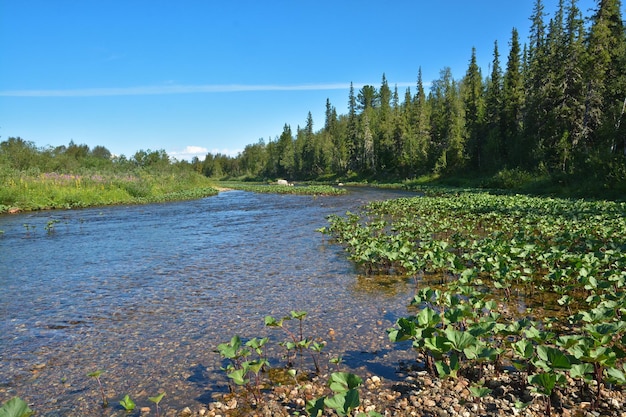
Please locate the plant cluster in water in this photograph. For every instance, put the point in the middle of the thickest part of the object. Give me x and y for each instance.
(315, 190)
(493, 255)
(248, 367)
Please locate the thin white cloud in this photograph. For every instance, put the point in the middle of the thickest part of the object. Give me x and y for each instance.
(191, 151)
(180, 89)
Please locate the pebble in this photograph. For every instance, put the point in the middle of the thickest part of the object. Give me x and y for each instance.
(185, 412)
(429, 403)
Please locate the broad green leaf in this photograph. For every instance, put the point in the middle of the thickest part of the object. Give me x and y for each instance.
(127, 403)
(448, 370)
(95, 374)
(459, 340)
(315, 408)
(479, 391)
(238, 377)
(157, 399)
(343, 402)
(437, 345)
(15, 407)
(544, 382)
(523, 348)
(428, 317)
(272, 322)
(581, 370)
(553, 357)
(616, 376)
(343, 381)
(299, 315)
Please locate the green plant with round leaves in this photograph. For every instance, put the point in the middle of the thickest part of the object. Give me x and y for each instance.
(127, 403)
(15, 407)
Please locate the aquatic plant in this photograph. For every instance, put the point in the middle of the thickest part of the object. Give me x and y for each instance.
(343, 399)
(297, 342)
(563, 255)
(15, 407)
(245, 373)
(96, 375)
(50, 225)
(156, 400)
(127, 403)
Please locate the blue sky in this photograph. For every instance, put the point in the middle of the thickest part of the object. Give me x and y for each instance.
(192, 76)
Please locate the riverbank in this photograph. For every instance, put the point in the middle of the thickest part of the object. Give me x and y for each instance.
(419, 395)
(24, 192)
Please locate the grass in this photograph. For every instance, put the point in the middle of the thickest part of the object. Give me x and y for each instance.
(35, 191)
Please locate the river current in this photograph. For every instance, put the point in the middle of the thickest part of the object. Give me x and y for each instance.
(146, 293)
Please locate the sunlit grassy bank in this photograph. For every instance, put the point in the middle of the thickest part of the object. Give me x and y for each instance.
(284, 189)
(27, 191)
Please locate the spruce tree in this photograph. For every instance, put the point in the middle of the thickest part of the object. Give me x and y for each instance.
(355, 148)
(605, 128)
(536, 81)
(512, 106)
(448, 152)
(474, 105)
(286, 153)
(494, 148)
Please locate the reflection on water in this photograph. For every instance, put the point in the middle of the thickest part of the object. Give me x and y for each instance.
(147, 292)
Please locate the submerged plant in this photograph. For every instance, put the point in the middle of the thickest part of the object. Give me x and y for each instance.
(245, 373)
(96, 376)
(297, 341)
(127, 403)
(15, 407)
(49, 227)
(156, 400)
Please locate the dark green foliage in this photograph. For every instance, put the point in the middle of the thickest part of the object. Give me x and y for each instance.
(557, 109)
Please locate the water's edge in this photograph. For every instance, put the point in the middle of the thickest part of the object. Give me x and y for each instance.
(147, 292)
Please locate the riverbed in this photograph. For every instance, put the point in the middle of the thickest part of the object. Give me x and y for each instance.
(146, 293)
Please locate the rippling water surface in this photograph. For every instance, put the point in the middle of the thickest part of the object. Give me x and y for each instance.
(147, 292)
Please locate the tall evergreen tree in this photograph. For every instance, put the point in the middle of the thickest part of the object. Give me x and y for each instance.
(535, 83)
(447, 124)
(384, 143)
(512, 105)
(308, 167)
(494, 146)
(474, 104)
(420, 123)
(565, 97)
(336, 141)
(605, 130)
(286, 154)
(355, 147)
(368, 98)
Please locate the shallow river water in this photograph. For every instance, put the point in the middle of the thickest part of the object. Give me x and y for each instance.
(146, 293)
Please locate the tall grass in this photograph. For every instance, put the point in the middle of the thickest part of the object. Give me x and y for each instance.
(32, 190)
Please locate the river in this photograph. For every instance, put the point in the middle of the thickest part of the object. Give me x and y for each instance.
(146, 293)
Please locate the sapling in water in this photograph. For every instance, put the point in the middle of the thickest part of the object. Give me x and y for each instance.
(96, 376)
(298, 342)
(157, 399)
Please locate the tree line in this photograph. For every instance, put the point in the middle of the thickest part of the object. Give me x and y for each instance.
(17, 154)
(555, 104)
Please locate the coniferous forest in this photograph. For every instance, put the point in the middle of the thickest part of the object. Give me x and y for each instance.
(553, 106)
